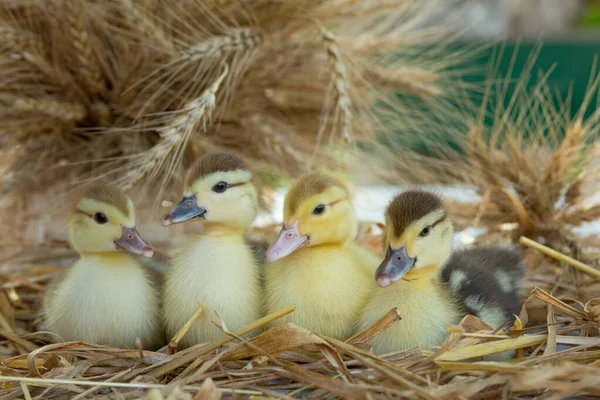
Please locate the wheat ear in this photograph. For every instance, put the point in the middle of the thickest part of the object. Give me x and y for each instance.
(341, 82)
(25, 45)
(234, 40)
(67, 112)
(173, 136)
(146, 26)
(88, 69)
(409, 80)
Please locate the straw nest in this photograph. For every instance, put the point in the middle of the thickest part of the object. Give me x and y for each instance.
(112, 87)
(555, 338)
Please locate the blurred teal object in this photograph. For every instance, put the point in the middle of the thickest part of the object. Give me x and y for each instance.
(572, 63)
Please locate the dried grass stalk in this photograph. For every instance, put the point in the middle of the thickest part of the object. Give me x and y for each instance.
(176, 133)
(124, 83)
(303, 364)
(527, 156)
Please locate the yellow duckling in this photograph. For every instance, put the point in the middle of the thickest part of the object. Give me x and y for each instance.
(106, 297)
(431, 287)
(314, 263)
(215, 269)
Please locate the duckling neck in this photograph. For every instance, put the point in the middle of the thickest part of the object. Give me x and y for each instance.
(422, 274)
(221, 229)
(108, 256)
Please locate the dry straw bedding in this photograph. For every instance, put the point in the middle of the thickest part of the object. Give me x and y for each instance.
(137, 90)
(555, 339)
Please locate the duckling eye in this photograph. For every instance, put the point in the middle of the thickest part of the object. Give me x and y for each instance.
(425, 231)
(220, 187)
(100, 218)
(320, 209)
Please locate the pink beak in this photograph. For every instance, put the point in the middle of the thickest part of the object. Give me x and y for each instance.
(290, 239)
(131, 240)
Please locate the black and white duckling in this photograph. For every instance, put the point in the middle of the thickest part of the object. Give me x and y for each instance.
(432, 287)
(107, 296)
(215, 269)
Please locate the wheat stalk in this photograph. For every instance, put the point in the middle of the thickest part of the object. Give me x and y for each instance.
(23, 44)
(64, 111)
(409, 80)
(340, 81)
(195, 112)
(88, 69)
(237, 39)
(200, 58)
(146, 26)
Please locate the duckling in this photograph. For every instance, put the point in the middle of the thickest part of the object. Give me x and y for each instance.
(215, 269)
(106, 297)
(431, 287)
(314, 263)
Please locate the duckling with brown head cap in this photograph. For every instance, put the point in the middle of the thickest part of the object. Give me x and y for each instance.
(215, 269)
(314, 263)
(106, 297)
(431, 287)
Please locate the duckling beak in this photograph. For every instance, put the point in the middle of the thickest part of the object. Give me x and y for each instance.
(395, 265)
(132, 241)
(186, 209)
(290, 239)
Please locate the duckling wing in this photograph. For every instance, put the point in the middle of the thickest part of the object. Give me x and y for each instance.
(488, 281)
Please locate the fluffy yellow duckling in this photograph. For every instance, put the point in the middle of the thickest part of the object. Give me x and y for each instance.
(106, 297)
(215, 269)
(313, 262)
(431, 287)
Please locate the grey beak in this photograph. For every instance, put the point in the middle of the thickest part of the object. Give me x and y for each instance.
(185, 210)
(395, 265)
(131, 240)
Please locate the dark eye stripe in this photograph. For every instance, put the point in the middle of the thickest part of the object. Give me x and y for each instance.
(438, 221)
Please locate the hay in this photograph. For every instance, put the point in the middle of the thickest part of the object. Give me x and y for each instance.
(132, 92)
(555, 338)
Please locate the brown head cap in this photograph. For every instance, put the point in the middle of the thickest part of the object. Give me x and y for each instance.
(410, 206)
(310, 185)
(211, 163)
(107, 194)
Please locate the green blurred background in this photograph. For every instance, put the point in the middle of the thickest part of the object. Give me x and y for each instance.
(573, 59)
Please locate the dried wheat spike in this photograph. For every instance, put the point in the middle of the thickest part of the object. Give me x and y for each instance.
(173, 136)
(67, 112)
(88, 67)
(406, 80)
(341, 82)
(24, 45)
(146, 26)
(235, 40)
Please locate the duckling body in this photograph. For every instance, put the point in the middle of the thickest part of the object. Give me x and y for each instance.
(215, 270)
(106, 297)
(314, 263)
(219, 274)
(431, 287)
(326, 283)
(427, 308)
